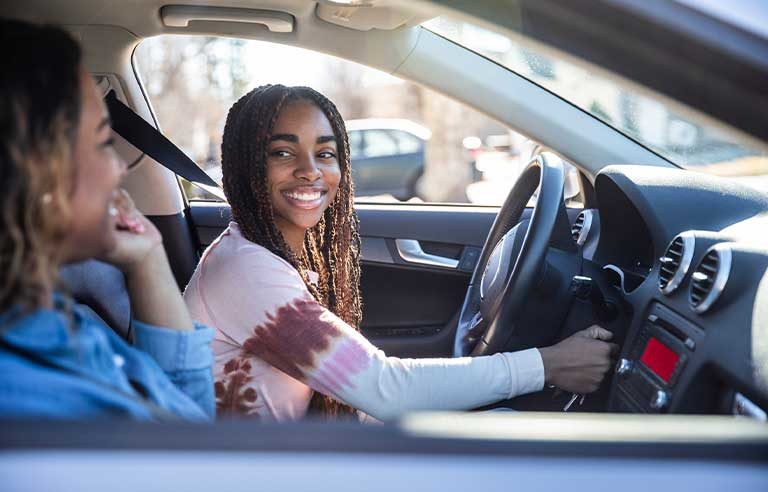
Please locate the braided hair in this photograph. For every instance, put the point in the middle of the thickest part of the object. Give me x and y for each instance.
(332, 246)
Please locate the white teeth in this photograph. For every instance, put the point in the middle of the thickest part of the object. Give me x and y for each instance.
(304, 197)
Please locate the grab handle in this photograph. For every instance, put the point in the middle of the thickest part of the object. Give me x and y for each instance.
(182, 15)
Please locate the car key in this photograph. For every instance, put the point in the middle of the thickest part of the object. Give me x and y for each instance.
(570, 402)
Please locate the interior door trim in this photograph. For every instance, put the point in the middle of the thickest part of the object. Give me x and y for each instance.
(411, 252)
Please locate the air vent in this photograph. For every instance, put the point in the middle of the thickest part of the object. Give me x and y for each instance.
(675, 262)
(710, 277)
(580, 228)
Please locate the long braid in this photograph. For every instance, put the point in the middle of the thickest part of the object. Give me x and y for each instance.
(332, 246)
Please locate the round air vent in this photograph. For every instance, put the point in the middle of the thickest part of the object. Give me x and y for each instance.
(580, 228)
(710, 277)
(675, 262)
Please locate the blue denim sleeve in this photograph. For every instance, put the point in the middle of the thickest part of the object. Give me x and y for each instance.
(185, 356)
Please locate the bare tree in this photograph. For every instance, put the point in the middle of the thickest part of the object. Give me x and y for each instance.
(344, 89)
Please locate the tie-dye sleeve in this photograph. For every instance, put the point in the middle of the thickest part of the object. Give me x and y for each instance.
(279, 322)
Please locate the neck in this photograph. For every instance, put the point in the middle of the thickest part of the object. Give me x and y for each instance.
(294, 237)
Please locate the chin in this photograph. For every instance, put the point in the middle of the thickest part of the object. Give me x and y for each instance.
(102, 245)
(307, 222)
(108, 244)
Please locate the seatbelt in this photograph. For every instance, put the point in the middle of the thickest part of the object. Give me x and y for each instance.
(145, 137)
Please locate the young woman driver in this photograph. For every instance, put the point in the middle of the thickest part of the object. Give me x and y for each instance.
(281, 287)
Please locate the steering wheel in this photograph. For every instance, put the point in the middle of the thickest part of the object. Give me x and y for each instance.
(511, 261)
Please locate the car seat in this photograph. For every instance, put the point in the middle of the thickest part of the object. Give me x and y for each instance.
(100, 287)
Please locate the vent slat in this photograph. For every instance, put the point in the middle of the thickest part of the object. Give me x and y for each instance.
(703, 280)
(578, 226)
(670, 264)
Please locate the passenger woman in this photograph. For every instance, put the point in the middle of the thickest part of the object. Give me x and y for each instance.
(61, 202)
(281, 286)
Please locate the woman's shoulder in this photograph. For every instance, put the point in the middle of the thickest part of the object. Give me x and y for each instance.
(232, 254)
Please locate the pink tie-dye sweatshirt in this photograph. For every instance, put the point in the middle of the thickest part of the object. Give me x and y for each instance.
(274, 344)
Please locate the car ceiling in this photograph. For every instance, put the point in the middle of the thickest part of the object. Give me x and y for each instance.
(142, 17)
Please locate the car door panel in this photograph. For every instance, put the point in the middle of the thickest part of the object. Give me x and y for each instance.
(410, 309)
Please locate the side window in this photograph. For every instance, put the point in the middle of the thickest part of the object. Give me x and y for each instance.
(355, 144)
(407, 143)
(379, 143)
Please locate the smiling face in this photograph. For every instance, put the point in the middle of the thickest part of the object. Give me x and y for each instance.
(303, 171)
(98, 173)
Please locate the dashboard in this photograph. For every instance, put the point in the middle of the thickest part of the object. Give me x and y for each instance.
(688, 255)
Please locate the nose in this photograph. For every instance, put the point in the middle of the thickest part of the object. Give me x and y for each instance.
(122, 168)
(306, 168)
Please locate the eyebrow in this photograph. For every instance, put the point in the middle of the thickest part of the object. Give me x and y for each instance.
(284, 136)
(288, 137)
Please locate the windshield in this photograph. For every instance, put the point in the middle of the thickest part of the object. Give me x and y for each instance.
(686, 143)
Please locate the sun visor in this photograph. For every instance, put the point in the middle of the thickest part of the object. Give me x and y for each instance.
(364, 15)
(130, 154)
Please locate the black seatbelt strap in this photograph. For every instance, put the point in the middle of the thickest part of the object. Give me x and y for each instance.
(146, 138)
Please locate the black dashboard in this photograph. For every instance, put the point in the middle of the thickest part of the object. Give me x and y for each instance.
(689, 257)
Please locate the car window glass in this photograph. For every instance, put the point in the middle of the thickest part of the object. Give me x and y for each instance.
(355, 144)
(687, 141)
(407, 143)
(380, 143)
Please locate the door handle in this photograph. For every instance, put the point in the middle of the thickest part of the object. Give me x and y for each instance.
(411, 252)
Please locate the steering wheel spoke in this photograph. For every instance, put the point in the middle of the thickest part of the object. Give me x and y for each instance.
(511, 260)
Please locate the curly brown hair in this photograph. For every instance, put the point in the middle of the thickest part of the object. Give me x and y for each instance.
(39, 116)
(332, 247)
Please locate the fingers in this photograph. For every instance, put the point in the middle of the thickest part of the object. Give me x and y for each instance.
(598, 333)
(127, 215)
(122, 200)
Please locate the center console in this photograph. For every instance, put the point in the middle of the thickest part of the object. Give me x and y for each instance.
(647, 376)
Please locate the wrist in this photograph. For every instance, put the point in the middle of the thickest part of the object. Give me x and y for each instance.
(551, 365)
(153, 261)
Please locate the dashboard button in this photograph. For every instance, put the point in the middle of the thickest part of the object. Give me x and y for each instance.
(660, 400)
(624, 367)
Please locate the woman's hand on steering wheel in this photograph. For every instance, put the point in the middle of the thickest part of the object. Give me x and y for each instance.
(579, 363)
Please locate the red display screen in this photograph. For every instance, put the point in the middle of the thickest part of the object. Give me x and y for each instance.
(660, 359)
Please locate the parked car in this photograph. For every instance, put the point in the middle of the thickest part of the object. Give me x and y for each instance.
(387, 156)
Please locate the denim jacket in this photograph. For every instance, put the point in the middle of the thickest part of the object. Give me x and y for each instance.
(84, 368)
